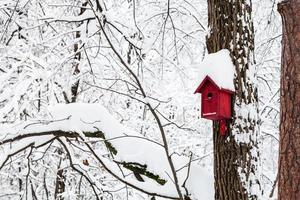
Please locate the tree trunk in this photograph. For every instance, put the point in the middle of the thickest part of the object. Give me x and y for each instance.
(77, 58)
(236, 155)
(289, 156)
(60, 181)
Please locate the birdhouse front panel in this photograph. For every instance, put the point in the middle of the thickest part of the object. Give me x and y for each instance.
(210, 102)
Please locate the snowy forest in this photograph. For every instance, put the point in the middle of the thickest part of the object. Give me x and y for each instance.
(149, 99)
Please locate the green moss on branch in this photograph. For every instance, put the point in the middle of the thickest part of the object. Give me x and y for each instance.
(142, 170)
(100, 134)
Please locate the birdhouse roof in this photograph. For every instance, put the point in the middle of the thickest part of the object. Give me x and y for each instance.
(218, 69)
(207, 79)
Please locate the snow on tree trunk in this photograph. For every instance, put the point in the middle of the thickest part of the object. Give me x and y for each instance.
(289, 156)
(236, 155)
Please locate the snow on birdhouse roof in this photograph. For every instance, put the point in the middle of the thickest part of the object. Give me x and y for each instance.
(219, 68)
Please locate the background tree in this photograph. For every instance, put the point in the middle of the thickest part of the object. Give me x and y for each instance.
(289, 152)
(236, 156)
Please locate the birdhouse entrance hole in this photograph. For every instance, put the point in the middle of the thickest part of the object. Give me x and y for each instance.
(209, 96)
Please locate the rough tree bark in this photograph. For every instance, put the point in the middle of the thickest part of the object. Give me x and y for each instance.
(289, 152)
(236, 155)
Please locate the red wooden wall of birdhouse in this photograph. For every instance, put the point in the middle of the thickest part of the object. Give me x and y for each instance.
(225, 104)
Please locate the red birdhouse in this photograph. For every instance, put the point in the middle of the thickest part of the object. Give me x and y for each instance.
(215, 102)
